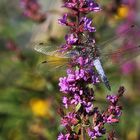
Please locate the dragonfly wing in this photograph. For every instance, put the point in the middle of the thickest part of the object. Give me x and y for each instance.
(53, 65)
(122, 55)
(128, 38)
(118, 37)
(123, 47)
(45, 49)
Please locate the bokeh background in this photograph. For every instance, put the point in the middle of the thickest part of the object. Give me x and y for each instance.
(29, 92)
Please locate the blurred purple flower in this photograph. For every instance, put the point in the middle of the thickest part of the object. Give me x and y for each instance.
(128, 68)
(32, 10)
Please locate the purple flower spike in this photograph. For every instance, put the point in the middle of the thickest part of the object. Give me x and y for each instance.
(81, 78)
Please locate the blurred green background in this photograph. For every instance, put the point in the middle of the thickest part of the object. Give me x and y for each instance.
(29, 93)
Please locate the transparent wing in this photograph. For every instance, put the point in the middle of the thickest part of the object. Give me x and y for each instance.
(51, 50)
(113, 43)
(122, 55)
(117, 36)
(53, 64)
(123, 46)
(44, 48)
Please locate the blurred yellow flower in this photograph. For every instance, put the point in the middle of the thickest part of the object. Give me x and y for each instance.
(41, 108)
(122, 12)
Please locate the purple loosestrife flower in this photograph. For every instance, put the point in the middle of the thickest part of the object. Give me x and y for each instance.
(88, 106)
(81, 115)
(87, 24)
(63, 20)
(81, 61)
(76, 99)
(70, 83)
(64, 85)
(63, 137)
(65, 102)
(93, 6)
(96, 132)
(112, 98)
(71, 39)
(69, 119)
(82, 5)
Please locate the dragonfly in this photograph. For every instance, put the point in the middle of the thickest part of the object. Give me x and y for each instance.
(96, 52)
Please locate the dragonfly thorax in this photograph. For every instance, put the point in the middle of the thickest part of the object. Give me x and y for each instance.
(89, 51)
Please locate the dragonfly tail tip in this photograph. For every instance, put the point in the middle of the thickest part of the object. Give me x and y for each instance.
(108, 86)
(106, 82)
